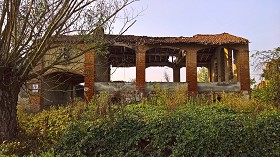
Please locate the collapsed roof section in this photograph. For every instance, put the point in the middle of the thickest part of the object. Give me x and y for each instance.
(201, 39)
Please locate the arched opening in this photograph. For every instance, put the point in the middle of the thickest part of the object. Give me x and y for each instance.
(61, 88)
(164, 64)
(205, 59)
(125, 74)
(203, 74)
(122, 62)
(220, 62)
(159, 74)
(115, 73)
(183, 74)
(217, 69)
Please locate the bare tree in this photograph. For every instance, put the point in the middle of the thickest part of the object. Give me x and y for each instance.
(28, 29)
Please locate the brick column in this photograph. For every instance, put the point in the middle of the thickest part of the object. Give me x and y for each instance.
(243, 70)
(176, 74)
(191, 71)
(219, 59)
(140, 70)
(35, 97)
(89, 75)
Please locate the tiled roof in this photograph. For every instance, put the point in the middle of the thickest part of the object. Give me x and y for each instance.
(224, 38)
(204, 39)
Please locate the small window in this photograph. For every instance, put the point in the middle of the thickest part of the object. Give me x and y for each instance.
(35, 88)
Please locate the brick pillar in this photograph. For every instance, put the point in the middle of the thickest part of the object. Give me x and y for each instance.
(243, 70)
(176, 74)
(191, 71)
(89, 75)
(140, 70)
(219, 59)
(35, 97)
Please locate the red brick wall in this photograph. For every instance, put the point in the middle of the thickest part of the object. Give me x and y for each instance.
(191, 70)
(176, 74)
(89, 75)
(35, 102)
(140, 70)
(35, 98)
(244, 68)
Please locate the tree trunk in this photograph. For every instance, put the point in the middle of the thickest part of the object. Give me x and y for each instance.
(9, 90)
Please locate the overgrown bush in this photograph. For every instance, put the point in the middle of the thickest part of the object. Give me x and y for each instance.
(231, 127)
(196, 131)
(266, 95)
(40, 131)
(171, 98)
(269, 61)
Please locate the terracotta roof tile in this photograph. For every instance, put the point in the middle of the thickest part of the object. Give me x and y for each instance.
(204, 39)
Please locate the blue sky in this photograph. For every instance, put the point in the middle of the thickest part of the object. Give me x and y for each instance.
(256, 20)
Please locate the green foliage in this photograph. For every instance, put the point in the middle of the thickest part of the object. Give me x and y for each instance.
(202, 75)
(253, 82)
(195, 131)
(265, 95)
(169, 98)
(242, 105)
(269, 94)
(170, 126)
(269, 61)
(40, 131)
(49, 153)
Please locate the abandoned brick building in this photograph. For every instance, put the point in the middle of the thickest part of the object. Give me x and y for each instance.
(224, 55)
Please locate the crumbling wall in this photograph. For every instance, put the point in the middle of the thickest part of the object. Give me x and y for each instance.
(219, 87)
(102, 68)
(127, 92)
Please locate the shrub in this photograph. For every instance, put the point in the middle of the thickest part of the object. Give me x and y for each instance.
(40, 131)
(231, 127)
(266, 95)
(271, 61)
(170, 98)
(195, 131)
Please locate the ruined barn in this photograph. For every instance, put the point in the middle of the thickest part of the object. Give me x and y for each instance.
(225, 56)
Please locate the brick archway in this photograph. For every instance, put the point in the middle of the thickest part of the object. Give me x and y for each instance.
(166, 56)
(60, 88)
